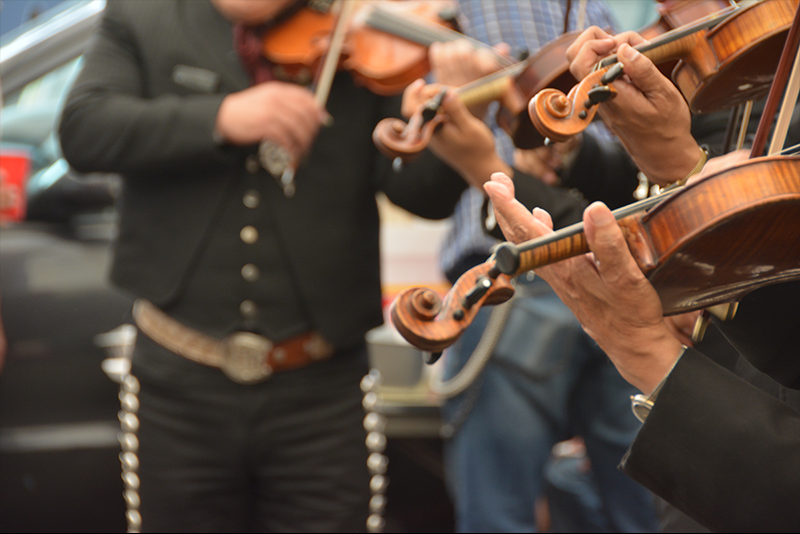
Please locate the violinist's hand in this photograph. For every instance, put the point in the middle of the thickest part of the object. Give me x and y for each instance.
(462, 141)
(457, 63)
(649, 114)
(606, 290)
(545, 162)
(284, 113)
(682, 326)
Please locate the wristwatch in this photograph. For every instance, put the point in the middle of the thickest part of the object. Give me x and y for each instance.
(642, 404)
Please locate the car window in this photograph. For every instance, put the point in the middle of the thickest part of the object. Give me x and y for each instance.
(30, 114)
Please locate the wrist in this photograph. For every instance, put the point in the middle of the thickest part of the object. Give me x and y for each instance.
(646, 369)
(676, 165)
(641, 405)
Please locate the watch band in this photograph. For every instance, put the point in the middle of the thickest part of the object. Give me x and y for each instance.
(642, 404)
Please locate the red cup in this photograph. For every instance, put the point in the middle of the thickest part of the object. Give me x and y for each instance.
(15, 167)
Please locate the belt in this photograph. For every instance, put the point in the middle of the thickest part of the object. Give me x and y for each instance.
(244, 357)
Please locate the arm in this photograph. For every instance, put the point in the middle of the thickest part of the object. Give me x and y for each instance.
(724, 451)
(721, 450)
(109, 125)
(126, 114)
(657, 135)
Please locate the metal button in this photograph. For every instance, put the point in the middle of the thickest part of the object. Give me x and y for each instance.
(131, 480)
(132, 499)
(249, 235)
(130, 462)
(128, 441)
(250, 272)
(252, 164)
(134, 519)
(247, 308)
(130, 403)
(251, 199)
(131, 385)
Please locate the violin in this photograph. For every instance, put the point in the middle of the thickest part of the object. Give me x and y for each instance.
(382, 43)
(682, 239)
(682, 244)
(385, 46)
(518, 83)
(725, 60)
(549, 67)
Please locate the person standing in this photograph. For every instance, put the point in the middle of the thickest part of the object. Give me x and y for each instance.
(251, 306)
(546, 380)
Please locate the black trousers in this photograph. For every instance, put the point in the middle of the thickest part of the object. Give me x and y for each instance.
(285, 455)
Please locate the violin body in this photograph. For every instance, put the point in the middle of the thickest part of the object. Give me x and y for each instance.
(709, 243)
(377, 59)
(724, 236)
(737, 59)
(717, 68)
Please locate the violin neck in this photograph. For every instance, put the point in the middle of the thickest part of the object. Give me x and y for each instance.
(563, 244)
(491, 87)
(420, 31)
(677, 43)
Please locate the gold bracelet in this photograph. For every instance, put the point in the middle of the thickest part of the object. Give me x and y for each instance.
(697, 168)
(646, 189)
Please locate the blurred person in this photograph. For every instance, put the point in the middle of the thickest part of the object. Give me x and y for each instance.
(721, 432)
(546, 379)
(251, 306)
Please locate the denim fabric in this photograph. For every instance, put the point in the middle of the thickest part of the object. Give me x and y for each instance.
(547, 381)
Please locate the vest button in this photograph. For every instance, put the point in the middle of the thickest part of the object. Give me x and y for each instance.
(249, 235)
(250, 272)
(248, 308)
(251, 199)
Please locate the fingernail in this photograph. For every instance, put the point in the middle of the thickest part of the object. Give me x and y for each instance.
(600, 216)
(328, 120)
(630, 53)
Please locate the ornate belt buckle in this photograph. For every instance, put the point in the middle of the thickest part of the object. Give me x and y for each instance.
(245, 357)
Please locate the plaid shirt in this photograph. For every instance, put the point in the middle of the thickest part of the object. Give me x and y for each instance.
(525, 26)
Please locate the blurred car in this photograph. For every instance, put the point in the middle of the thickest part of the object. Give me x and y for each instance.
(59, 466)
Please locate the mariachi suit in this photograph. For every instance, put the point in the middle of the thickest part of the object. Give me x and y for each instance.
(287, 453)
(722, 442)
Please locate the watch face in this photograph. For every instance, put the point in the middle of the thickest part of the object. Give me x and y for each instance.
(641, 407)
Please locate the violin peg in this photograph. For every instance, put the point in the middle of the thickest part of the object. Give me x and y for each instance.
(602, 93)
(614, 72)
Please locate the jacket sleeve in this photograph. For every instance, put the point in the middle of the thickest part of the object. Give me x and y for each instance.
(603, 171)
(721, 450)
(111, 124)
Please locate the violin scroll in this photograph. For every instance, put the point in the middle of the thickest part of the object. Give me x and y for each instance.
(559, 117)
(396, 139)
(430, 324)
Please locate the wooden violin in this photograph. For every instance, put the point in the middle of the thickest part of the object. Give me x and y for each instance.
(385, 47)
(722, 61)
(518, 83)
(549, 67)
(701, 245)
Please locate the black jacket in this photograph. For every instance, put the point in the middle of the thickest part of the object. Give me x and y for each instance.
(130, 113)
(722, 442)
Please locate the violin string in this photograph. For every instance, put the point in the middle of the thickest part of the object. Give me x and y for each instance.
(420, 30)
(790, 151)
(677, 33)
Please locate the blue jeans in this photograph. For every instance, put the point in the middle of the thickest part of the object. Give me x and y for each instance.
(547, 381)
